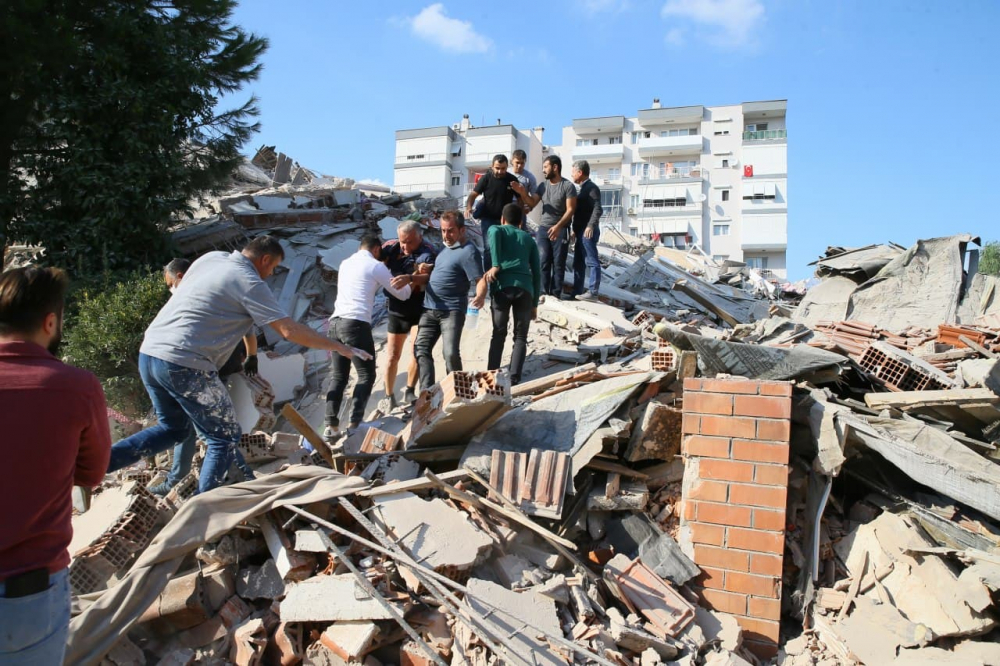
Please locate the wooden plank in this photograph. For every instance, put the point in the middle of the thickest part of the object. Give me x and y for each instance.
(299, 423)
(606, 466)
(545, 383)
(413, 485)
(947, 397)
(971, 344)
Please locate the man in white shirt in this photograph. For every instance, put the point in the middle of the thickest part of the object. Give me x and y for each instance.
(359, 278)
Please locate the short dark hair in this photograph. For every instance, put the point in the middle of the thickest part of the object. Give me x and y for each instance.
(370, 242)
(513, 214)
(177, 267)
(264, 246)
(28, 295)
(500, 157)
(519, 155)
(454, 217)
(555, 161)
(583, 166)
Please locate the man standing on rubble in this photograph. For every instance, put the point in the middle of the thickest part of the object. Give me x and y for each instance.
(457, 267)
(221, 296)
(410, 258)
(55, 436)
(359, 278)
(516, 281)
(558, 198)
(496, 189)
(527, 179)
(587, 233)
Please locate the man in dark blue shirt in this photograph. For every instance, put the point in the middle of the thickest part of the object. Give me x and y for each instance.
(456, 268)
(410, 259)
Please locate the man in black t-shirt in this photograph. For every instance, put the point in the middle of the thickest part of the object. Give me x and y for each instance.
(495, 187)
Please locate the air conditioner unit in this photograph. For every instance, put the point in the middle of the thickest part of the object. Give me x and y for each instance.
(456, 126)
(631, 211)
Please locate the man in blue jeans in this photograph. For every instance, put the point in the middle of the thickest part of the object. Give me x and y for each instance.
(587, 230)
(446, 298)
(55, 436)
(558, 198)
(221, 296)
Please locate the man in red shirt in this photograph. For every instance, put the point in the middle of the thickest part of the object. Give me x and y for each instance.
(55, 436)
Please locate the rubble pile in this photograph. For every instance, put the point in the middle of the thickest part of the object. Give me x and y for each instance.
(695, 470)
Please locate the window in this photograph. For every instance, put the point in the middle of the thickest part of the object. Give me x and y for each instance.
(614, 173)
(761, 192)
(757, 127)
(719, 258)
(586, 142)
(456, 180)
(721, 131)
(725, 195)
(633, 202)
(415, 157)
(720, 229)
(614, 140)
(635, 137)
(725, 164)
(679, 132)
(611, 199)
(673, 202)
(634, 169)
(760, 263)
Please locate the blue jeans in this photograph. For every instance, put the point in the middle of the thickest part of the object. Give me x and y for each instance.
(552, 259)
(586, 260)
(33, 629)
(433, 325)
(185, 400)
(485, 224)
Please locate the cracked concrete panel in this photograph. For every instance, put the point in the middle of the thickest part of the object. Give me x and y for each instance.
(530, 612)
(330, 599)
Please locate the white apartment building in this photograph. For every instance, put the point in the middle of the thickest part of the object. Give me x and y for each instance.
(446, 160)
(715, 177)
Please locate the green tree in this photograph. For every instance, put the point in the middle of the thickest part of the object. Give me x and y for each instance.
(113, 124)
(989, 259)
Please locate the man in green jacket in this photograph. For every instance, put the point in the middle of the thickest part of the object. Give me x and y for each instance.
(516, 283)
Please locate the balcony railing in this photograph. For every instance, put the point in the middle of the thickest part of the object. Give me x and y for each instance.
(410, 160)
(657, 174)
(765, 135)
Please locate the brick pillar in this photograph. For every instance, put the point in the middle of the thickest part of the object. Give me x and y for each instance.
(735, 445)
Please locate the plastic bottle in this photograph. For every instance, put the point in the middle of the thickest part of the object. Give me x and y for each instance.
(471, 317)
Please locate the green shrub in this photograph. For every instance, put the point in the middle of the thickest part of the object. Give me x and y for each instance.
(989, 259)
(103, 332)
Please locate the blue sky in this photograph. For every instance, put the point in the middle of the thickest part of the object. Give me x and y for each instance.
(892, 106)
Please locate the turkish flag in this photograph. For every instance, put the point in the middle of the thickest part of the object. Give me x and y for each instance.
(480, 175)
(748, 171)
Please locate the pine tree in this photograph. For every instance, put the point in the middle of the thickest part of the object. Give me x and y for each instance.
(116, 121)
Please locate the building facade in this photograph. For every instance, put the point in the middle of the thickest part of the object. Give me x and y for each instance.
(446, 160)
(715, 177)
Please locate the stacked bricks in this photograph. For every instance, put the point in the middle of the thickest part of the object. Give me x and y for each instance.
(663, 357)
(896, 374)
(736, 435)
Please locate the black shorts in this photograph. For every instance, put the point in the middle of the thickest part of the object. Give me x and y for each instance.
(401, 325)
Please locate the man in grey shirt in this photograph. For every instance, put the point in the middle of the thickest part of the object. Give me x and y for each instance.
(558, 198)
(221, 297)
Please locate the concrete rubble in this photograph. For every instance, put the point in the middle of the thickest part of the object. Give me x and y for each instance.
(706, 467)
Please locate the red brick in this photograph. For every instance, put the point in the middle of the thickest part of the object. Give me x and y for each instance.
(756, 540)
(692, 384)
(727, 426)
(708, 403)
(689, 509)
(690, 424)
(721, 558)
(710, 491)
(713, 535)
(773, 521)
(768, 565)
(783, 389)
(724, 514)
(710, 577)
(775, 431)
(764, 631)
(708, 447)
(766, 609)
(725, 470)
(771, 475)
(744, 449)
(730, 386)
(760, 586)
(754, 495)
(725, 602)
(762, 407)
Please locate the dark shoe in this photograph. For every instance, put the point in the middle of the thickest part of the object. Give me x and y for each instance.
(331, 432)
(161, 489)
(410, 396)
(392, 400)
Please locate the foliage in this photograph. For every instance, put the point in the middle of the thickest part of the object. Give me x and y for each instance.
(113, 125)
(989, 259)
(105, 330)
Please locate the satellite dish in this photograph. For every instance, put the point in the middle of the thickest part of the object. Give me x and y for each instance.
(700, 198)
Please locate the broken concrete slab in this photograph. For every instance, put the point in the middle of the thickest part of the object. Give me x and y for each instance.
(333, 257)
(631, 496)
(462, 405)
(285, 374)
(522, 612)
(263, 582)
(658, 436)
(350, 640)
(330, 599)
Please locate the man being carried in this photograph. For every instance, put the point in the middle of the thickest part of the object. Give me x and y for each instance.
(221, 296)
(516, 285)
(587, 232)
(558, 197)
(410, 258)
(496, 188)
(360, 276)
(457, 267)
(55, 436)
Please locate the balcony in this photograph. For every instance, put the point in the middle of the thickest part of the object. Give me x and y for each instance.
(671, 116)
(484, 160)
(766, 136)
(764, 234)
(647, 226)
(423, 160)
(657, 175)
(599, 154)
(670, 145)
(605, 125)
(688, 210)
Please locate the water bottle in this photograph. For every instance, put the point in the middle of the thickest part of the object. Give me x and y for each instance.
(471, 317)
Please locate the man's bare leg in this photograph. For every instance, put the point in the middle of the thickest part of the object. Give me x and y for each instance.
(395, 344)
(413, 371)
